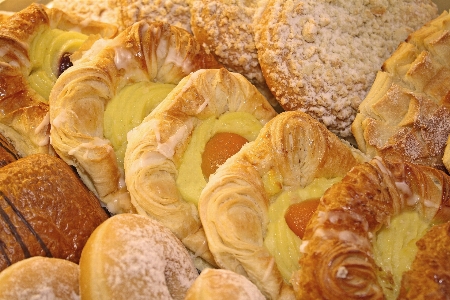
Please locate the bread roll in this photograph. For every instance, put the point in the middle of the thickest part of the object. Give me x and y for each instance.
(45, 210)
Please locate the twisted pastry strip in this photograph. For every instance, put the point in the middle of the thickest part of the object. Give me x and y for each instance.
(154, 52)
(338, 262)
(234, 205)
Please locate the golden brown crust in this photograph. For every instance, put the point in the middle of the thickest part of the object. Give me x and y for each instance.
(8, 153)
(45, 210)
(24, 117)
(234, 204)
(146, 51)
(405, 116)
(338, 260)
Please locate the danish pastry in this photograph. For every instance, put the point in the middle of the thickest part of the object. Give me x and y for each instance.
(290, 152)
(362, 236)
(163, 159)
(108, 91)
(34, 42)
(321, 57)
(405, 115)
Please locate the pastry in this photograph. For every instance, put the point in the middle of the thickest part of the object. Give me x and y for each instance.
(362, 236)
(163, 160)
(290, 152)
(45, 210)
(97, 10)
(405, 115)
(321, 57)
(134, 257)
(34, 43)
(8, 153)
(108, 91)
(223, 284)
(40, 278)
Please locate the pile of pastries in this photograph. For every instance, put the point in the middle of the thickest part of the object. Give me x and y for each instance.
(214, 149)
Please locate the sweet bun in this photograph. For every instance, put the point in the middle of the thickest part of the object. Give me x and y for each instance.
(221, 284)
(405, 115)
(341, 258)
(27, 71)
(40, 278)
(145, 53)
(290, 151)
(164, 183)
(134, 257)
(45, 210)
(321, 57)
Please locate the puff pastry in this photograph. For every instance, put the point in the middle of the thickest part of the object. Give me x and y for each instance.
(338, 260)
(155, 148)
(405, 115)
(24, 111)
(233, 207)
(145, 52)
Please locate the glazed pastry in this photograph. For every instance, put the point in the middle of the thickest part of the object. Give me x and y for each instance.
(363, 234)
(163, 160)
(97, 10)
(134, 257)
(223, 284)
(8, 153)
(45, 210)
(290, 152)
(405, 115)
(39, 277)
(108, 91)
(321, 57)
(34, 43)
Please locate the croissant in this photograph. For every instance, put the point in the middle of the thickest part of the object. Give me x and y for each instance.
(339, 260)
(143, 54)
(290, 151)
(161, 181)
(34, 43)
(405, 114)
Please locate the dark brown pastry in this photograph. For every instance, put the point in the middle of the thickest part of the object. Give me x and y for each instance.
(8, 153)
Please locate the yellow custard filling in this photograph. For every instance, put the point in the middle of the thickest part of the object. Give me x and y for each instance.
(46, 51)
(280, 241)
(190, 180)
(128, 109)
(395, 249)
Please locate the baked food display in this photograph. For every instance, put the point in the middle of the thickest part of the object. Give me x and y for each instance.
(163, 160)
(321, 57)
(58, 278)
(27, 71)
(363, 234)
(290, 152)
(134, 257)
(108, 91)
(405, 115)
(45, 210)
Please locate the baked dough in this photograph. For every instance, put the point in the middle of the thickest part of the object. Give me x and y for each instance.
(130, 256)
(321, 57)
(40, 278)
(24, 112)
(155, 148)
(338, 260)
(221, 284)
(8, 153)
(45, 210)
(405, 115)
(290, 152)
(145, 52)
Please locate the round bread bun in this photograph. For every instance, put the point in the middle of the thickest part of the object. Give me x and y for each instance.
(339, 260)
(221, 284)
(146, 52)
(405, 115)
(40, 278)
(24, 102)
(130, 256)
(321, 57)
(290, 152)
(155, 167)
(45, 210)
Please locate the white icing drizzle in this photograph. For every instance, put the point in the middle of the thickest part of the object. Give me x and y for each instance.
(96, 142)
(122, 57)
(45, 121)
